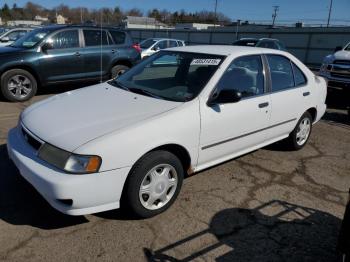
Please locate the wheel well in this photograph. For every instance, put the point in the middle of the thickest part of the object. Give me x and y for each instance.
(181, 153)
(23, 67)
(123, 62)
(313, 113)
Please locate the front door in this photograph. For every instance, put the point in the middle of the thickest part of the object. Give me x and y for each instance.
(230, 129)
(63, 61)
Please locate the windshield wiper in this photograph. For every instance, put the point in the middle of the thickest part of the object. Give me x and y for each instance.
(144, 92)
(118, 84)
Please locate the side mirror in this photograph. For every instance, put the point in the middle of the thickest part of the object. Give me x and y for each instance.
(47, 46)
(156, 48)
(338, 48)
(5, 39)
(225, 96)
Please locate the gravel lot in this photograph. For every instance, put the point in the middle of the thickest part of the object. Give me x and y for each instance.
(270, 205)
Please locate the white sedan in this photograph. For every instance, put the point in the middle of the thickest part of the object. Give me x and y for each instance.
(132, 140)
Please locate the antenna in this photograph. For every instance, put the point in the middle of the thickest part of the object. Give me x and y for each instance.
(215, 12)
(101, 60)
(274, 15)
(329, 13)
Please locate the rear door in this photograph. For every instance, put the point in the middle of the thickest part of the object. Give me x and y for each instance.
(97, 52)
(63, 62)
(289, 94)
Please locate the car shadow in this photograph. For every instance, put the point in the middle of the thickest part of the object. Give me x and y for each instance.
(21, 204)
(61, 88)
(290, 233)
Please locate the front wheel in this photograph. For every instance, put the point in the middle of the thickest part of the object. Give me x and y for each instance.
(301, 133)
(154, 183)
(18, 85)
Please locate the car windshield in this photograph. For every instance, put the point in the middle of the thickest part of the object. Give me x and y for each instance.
(32, 38)
(147, 43)
(169, 75)
(246, 42)
(347, 48)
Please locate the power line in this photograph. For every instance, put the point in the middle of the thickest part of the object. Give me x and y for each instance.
(274, 15)
(329, 13)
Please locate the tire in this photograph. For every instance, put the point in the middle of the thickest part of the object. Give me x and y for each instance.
(148, 201)
(117, 70)
(297, 141)
(18, 85)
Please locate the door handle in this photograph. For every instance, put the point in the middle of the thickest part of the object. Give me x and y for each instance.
(262, 105)
(77, 54)
(113, 51)
(306, 93)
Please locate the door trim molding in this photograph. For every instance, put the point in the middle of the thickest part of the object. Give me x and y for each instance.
(247, 134)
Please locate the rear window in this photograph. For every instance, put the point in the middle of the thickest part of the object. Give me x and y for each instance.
(95, 37)
(118, 37)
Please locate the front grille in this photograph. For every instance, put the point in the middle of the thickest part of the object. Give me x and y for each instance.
(338, 84)
(342, 62)
(31, 140)
(341, 75)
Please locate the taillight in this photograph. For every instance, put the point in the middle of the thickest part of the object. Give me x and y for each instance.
(137, 47)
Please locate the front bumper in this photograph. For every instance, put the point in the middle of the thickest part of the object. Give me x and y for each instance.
(86, 194)
(340, 83)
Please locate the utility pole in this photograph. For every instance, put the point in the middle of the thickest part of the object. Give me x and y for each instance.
(274, 15)
(81, 15)
(215, 13)
(329, 13)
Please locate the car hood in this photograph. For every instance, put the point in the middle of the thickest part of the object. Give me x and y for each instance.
(72, 119)
(340, 55)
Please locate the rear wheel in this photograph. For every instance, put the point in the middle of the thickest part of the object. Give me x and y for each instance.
(154, 183)
(118, 70)
(18, 85)
(301, 133)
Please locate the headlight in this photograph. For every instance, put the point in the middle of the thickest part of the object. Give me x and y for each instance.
(72, 163)
(83, 164)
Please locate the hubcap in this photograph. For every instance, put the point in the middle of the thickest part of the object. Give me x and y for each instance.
(19, 86)
(303, 131)
(158, 186)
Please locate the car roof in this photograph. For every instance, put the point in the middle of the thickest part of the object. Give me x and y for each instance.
(159, 38)
(225, 50)
(81, 26)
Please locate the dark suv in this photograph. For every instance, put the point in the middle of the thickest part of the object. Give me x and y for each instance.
(61, 54)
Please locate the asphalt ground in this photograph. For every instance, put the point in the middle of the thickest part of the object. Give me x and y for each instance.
(269, 205)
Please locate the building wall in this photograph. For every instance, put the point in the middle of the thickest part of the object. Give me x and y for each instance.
(310, 45)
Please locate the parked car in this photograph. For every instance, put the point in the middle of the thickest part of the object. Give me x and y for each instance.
(135, 137)
(262, 42)
(10, 36)
(344, 236)
(336, 69)
(62, 54)
(151, 46)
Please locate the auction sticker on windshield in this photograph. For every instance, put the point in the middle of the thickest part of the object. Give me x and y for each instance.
(206, 61)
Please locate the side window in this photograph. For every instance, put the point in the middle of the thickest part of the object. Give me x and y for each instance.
(162, 44)
(118, 37)
(65, 39)
(94, 37)
(281, 72)
(172, 43)
(16, 35)
(245, 74)
(299, 76)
